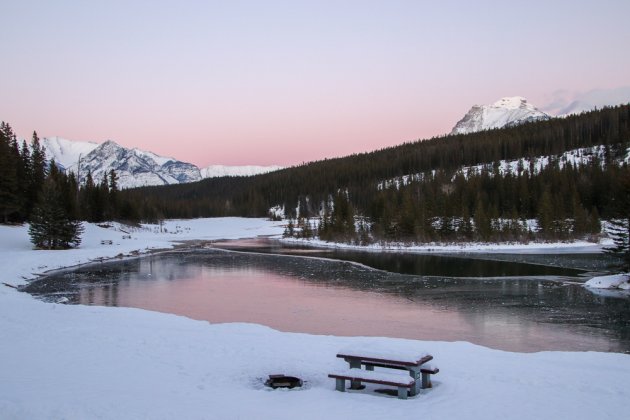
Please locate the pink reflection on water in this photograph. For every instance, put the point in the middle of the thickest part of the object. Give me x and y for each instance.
(287, 303)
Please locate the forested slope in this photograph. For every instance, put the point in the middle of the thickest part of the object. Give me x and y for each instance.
(438, 204)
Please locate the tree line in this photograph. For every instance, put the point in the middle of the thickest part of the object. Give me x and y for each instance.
(439, 203)
(313, 183)
(557, 202)
(35, 190)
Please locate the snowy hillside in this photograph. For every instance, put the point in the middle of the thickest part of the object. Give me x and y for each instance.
(65, 152)
(135, 167)
(214, 171)
(576, 158)
(505, 112)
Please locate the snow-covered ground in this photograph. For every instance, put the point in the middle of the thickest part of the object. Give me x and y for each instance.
(83, 362)
(615, 281)
(576, 247)
(575, 157)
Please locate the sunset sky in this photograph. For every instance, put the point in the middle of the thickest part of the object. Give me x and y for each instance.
(284, 82)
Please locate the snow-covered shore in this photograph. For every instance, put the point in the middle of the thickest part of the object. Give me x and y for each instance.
(615, 281)
(575, 247)
(83, 362)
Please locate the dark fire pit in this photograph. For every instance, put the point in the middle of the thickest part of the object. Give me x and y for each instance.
(283, 381)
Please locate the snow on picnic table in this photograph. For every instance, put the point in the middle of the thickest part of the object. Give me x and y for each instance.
(89, 362)
(378, 351)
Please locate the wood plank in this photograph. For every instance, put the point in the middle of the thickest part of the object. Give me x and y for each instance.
(374, 377)
(383, 361)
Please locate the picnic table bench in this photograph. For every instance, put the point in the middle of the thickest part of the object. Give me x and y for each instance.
(413, 362)
(356, 376)
(106, 242)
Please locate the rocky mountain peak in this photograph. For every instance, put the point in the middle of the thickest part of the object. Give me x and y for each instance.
(134, 167)
(504, 112)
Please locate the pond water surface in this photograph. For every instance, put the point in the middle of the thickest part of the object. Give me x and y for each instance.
(517, 306)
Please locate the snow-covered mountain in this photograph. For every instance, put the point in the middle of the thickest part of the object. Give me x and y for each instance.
(505, 112)
(65, 152)
(134, 167)
(214, 171)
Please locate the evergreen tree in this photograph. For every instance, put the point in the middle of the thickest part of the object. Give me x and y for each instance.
(341, 224)
(289, 230)
(24, 177)
(113, 195)
(50, 226)
(620, 225)
(619, 230)
(483, 224)
(581, 219)
(465, 228)
(363, 233)
(307, 230)
(38, 171)
(9, 184)
(546, 215)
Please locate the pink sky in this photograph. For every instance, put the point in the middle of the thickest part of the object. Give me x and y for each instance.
(287, 82)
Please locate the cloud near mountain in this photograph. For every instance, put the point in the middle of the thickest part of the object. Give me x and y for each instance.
(564, 102)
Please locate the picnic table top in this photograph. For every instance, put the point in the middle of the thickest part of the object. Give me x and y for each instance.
(408, 358)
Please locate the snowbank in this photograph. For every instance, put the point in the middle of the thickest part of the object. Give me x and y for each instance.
(503, 248)
(80, 362)
(616, 281)
(85, 362)
(20, 262)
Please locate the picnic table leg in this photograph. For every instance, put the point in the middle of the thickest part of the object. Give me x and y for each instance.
(402, 392)
(354, 364)
(355, 384)
(340, 385)
(426, 380)
(415, 374)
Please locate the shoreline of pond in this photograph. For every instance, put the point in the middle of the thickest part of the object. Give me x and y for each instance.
(528, 299)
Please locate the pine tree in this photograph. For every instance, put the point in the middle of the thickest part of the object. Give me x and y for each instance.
(50, 226)
(307, 230)
(483, 224)
(9, 182)
(546, 215)
(581, 222)
(24, 177)
(619, 228)
(465, 228)
(289, 230)
(38, 171)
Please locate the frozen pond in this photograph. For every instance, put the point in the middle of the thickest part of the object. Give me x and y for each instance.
(530, 305)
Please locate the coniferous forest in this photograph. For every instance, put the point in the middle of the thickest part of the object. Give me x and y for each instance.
(439, 201)
(486, 186)
(36, 191)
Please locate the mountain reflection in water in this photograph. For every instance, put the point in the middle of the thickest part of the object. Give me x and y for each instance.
(319, 296)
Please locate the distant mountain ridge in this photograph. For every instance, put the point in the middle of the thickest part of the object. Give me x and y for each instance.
(215, 171)
(134, 167)
(505, 112)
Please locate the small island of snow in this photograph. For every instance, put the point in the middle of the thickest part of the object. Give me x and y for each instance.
(615, 281)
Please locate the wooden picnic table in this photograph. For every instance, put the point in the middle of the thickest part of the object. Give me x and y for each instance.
(410, 361)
